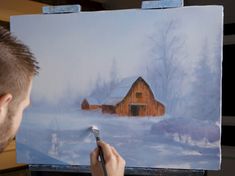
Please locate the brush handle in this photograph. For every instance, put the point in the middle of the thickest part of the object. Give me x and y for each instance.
(102, 161)
(101, 154)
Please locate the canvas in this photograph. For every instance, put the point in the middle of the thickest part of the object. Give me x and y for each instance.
(150, 80)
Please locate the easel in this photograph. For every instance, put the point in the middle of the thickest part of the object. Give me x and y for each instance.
(135, 171)
(85, 170)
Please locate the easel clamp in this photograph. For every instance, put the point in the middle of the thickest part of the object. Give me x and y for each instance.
(61, 9)
(161, 4)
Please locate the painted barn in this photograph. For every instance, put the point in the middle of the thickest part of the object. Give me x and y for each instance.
(133, 97)
(90, 104)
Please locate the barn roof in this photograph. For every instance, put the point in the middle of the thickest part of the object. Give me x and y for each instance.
(120, 90)
(92, 100)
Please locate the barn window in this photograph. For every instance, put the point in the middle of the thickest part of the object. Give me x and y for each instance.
(138, 94)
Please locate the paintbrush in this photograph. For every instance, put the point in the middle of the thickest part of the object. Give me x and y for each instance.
(96, 133)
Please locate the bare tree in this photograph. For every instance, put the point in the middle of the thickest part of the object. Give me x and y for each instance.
(103, 88)
(113, 74)
(165, 70)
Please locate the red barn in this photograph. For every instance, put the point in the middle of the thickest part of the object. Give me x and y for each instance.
(133, 98)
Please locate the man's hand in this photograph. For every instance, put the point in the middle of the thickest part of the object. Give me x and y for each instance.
(114, 163)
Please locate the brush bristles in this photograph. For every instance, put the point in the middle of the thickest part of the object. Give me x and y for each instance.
(95, 131)
(94, 127)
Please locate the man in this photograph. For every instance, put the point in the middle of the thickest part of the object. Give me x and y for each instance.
(17, 69)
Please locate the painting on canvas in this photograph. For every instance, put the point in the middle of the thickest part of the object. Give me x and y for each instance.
(150, 80)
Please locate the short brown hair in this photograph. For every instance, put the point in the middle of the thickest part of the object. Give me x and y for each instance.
(17, 66)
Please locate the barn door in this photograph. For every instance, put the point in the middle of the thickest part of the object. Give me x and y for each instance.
(135, 110)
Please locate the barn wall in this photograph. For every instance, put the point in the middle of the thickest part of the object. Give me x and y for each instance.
(93, 107)
(160, 108)
(108, 109)
(85, 105)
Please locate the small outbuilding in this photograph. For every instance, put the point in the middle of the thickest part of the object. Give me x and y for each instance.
(90, 104)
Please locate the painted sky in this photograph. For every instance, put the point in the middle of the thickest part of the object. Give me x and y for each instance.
(75, 49)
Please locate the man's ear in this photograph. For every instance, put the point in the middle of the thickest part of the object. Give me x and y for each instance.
(5, 99)
(4, 102)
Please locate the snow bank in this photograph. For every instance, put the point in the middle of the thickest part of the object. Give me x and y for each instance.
(189, 130)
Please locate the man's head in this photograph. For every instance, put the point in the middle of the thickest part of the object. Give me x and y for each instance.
(17, 69)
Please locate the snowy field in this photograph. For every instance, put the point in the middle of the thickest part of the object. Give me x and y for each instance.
(162, 143)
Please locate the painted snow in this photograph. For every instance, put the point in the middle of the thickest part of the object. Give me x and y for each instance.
(85, 55)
